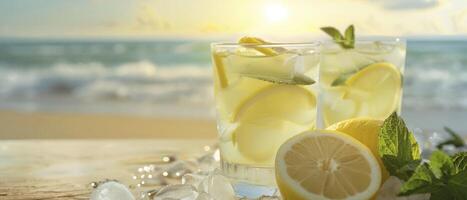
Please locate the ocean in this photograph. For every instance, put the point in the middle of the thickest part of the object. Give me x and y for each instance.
(173, 78)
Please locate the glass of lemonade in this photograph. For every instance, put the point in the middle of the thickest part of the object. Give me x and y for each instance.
(365, 81)
(265, 94)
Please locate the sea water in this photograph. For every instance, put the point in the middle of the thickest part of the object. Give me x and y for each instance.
(173, 77)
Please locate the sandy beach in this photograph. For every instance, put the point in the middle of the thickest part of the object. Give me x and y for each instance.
(51, 125)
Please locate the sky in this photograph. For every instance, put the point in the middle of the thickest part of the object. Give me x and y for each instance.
(211, 18)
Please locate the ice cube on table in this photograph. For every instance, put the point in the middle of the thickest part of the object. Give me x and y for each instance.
(391, 188)
(208, 162)
(204, 196)
(111, 190)
(192, 179)
(217, 186)
(179, 168)
(178, 191)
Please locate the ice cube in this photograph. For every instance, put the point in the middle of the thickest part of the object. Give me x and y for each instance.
(217, 186)
(204, 196)
(179, 168)
(391, 188)
(208, 162)
(269, 198)
(111, 190)
(178, 191)
(192, 179)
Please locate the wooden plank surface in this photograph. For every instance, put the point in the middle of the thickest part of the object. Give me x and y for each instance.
(64, 169)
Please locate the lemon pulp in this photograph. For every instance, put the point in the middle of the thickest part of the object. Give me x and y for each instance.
(326, 165)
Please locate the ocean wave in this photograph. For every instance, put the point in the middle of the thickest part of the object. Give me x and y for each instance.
(138, 81)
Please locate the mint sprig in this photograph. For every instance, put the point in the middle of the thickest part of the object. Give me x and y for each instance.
(444, 177)
(398, 148)
(346, 41)
(455, 140)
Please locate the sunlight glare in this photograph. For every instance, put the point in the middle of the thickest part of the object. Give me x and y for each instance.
(275, 12)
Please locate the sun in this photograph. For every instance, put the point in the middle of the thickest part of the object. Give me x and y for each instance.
(275, 12)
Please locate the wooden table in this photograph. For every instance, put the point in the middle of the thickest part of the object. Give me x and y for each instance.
(64, 169)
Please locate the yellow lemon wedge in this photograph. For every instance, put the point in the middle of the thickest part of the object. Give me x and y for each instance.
(219, 69)
(366, 131)
(324, 164)
(269, 117)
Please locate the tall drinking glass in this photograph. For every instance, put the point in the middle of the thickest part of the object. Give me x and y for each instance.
(365, 81)
(265, 94)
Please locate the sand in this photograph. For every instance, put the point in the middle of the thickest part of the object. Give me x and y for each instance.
(50, 125)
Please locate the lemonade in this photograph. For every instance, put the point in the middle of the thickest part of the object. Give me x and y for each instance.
(265, 94)
(364, 81)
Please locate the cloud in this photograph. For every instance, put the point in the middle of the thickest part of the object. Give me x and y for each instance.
(409, 4)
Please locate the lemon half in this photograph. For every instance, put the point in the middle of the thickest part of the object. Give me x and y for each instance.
(324, 164)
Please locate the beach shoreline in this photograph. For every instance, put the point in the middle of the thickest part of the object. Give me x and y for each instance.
(56, 125)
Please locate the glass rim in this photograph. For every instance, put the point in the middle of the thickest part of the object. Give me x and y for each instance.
(315, 44)
(363, 39)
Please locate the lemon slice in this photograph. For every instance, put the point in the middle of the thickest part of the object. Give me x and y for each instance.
(255, 40)
(366, 131)
(219, 69)
(375, 92)
(271, 116)
(325, 164)
(378, 88)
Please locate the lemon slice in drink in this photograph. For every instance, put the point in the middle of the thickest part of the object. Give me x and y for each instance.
(377, 88)
(325, 164)
(271, 116)
(375, 92)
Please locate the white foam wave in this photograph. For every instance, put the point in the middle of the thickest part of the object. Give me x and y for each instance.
(139, 81)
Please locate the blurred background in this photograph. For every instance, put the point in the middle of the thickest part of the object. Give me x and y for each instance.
(141, 68)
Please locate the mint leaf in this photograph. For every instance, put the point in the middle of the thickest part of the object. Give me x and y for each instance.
(460, 161)
(347, 41)
(350, 36)
(456, 140)
(398, 148)
(334, 33)
(422, 181)
(458, 185)
(342, 79)
(441, 165)
(444, 177)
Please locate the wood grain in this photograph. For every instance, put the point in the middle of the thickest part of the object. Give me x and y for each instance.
(64, 169)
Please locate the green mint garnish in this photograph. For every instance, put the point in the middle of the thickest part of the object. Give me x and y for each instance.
(455, 140)
(346, 41)
(342, 79)
(460, 161)
(444, 177)
(441, 165)
(398, 148)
